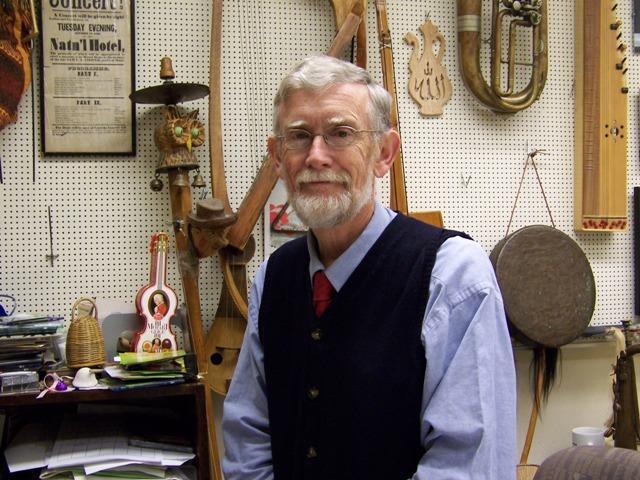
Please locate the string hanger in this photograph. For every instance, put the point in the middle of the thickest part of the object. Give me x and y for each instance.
(530, 158)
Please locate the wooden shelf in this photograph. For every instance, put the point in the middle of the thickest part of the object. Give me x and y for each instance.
(81, 396)
(187, 399)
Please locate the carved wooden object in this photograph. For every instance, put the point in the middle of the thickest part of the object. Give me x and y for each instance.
(429, 83)
(346, 11)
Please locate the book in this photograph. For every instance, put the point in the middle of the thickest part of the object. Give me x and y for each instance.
(117, 385)
(115, 371)
(128, 359)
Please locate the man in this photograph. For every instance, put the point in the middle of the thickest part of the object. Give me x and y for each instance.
(405, 368)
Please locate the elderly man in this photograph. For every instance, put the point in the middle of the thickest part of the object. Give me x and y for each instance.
(376, 347)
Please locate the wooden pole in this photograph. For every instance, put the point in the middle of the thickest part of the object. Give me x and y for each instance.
(188, 266)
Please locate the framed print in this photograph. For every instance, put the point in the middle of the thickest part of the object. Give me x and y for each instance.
(87, 74)
(281, 221)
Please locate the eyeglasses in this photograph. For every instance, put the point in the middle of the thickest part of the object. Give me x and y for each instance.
(336, 137)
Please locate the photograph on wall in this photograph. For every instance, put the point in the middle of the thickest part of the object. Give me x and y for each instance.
(87, 75)
(281, 222)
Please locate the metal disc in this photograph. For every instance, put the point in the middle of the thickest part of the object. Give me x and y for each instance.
(547, 285)
(170, 93)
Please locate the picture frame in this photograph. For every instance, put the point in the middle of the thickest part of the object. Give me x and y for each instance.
(87, 72)
(281, 223)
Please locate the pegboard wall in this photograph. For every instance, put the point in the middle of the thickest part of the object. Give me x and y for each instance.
(466, 163)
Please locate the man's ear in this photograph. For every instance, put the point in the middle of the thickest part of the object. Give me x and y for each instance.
(389, 145)
(274, 154)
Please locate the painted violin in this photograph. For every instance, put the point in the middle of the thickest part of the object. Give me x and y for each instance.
(156, 303)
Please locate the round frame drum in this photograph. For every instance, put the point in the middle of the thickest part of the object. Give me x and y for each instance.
(547, 285)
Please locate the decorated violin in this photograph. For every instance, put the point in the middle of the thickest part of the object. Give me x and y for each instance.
(156, 303)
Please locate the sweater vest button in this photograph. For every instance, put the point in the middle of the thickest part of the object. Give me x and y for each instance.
(313, 393)
(316, 334)
(311, 452)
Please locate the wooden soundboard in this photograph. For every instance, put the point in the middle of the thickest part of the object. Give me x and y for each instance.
(601, 119)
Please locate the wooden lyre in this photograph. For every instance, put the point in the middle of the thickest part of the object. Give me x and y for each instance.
(601, 119)
(398, 200)
(227, 331)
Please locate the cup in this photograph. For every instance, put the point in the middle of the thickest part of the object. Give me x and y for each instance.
(592, 436)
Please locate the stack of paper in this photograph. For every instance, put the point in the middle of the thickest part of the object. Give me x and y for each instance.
(90, 445)
(29, 324)
(136, 370)
(130, 472)
(21, 357)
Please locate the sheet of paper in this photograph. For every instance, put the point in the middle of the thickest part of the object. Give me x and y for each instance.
(30, 447)
(84, 440)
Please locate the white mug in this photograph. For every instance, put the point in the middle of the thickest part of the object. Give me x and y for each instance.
(592, 436)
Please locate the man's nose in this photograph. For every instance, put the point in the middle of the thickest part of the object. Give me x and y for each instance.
(319, 154)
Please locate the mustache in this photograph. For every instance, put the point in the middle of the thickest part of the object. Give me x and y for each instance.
(309, 176)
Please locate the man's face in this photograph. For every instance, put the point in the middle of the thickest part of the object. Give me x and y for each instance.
(327, 185)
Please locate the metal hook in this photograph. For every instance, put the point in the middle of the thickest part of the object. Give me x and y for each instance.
(465, 182)
(537, 151)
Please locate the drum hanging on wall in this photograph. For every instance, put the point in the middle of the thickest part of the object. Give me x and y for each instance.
(547, 285)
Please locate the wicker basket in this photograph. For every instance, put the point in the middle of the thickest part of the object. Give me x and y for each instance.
(85, 344)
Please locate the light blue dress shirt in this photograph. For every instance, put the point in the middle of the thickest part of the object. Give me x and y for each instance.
(468, 423)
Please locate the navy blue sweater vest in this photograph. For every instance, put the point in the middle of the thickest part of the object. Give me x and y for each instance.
(344, 390)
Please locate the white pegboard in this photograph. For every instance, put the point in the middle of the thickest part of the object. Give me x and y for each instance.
(466, 163)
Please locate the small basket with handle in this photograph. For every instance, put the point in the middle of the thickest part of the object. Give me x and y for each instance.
(85, 344)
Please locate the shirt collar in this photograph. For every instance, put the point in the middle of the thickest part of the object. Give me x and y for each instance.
(342, 268)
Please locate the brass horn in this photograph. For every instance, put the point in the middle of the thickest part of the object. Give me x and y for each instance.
(524, 13)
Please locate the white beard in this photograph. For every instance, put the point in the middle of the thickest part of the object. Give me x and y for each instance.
(318, 211)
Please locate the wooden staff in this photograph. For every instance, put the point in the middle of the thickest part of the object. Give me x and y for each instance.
(524, 470)
(218, 179)
(188, 266)
(398, 200)
(398, 191)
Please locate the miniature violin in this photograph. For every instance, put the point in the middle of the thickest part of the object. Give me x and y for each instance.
(156, 303)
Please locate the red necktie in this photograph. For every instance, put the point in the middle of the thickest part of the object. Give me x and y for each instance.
(322, 292)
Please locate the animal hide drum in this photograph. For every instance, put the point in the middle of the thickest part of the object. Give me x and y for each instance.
(547, 285)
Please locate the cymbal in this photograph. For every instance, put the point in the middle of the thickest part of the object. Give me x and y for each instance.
(170, 93)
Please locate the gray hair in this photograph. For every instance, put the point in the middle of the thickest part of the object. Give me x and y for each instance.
(321, 71)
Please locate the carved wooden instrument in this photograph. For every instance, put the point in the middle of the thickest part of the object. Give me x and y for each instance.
(156, 303)
(398, 200)
(525, 13)
(189, 269)
(601, 119)
(226, 333)
(626, 420)
(177, 160)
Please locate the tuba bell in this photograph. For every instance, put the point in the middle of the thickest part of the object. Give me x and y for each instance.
(523, 13)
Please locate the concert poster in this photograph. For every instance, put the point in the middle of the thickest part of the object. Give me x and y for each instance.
(87, 75)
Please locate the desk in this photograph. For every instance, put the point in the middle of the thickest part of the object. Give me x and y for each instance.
(187, 399)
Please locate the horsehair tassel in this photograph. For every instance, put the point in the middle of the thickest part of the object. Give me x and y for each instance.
(545, 360)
